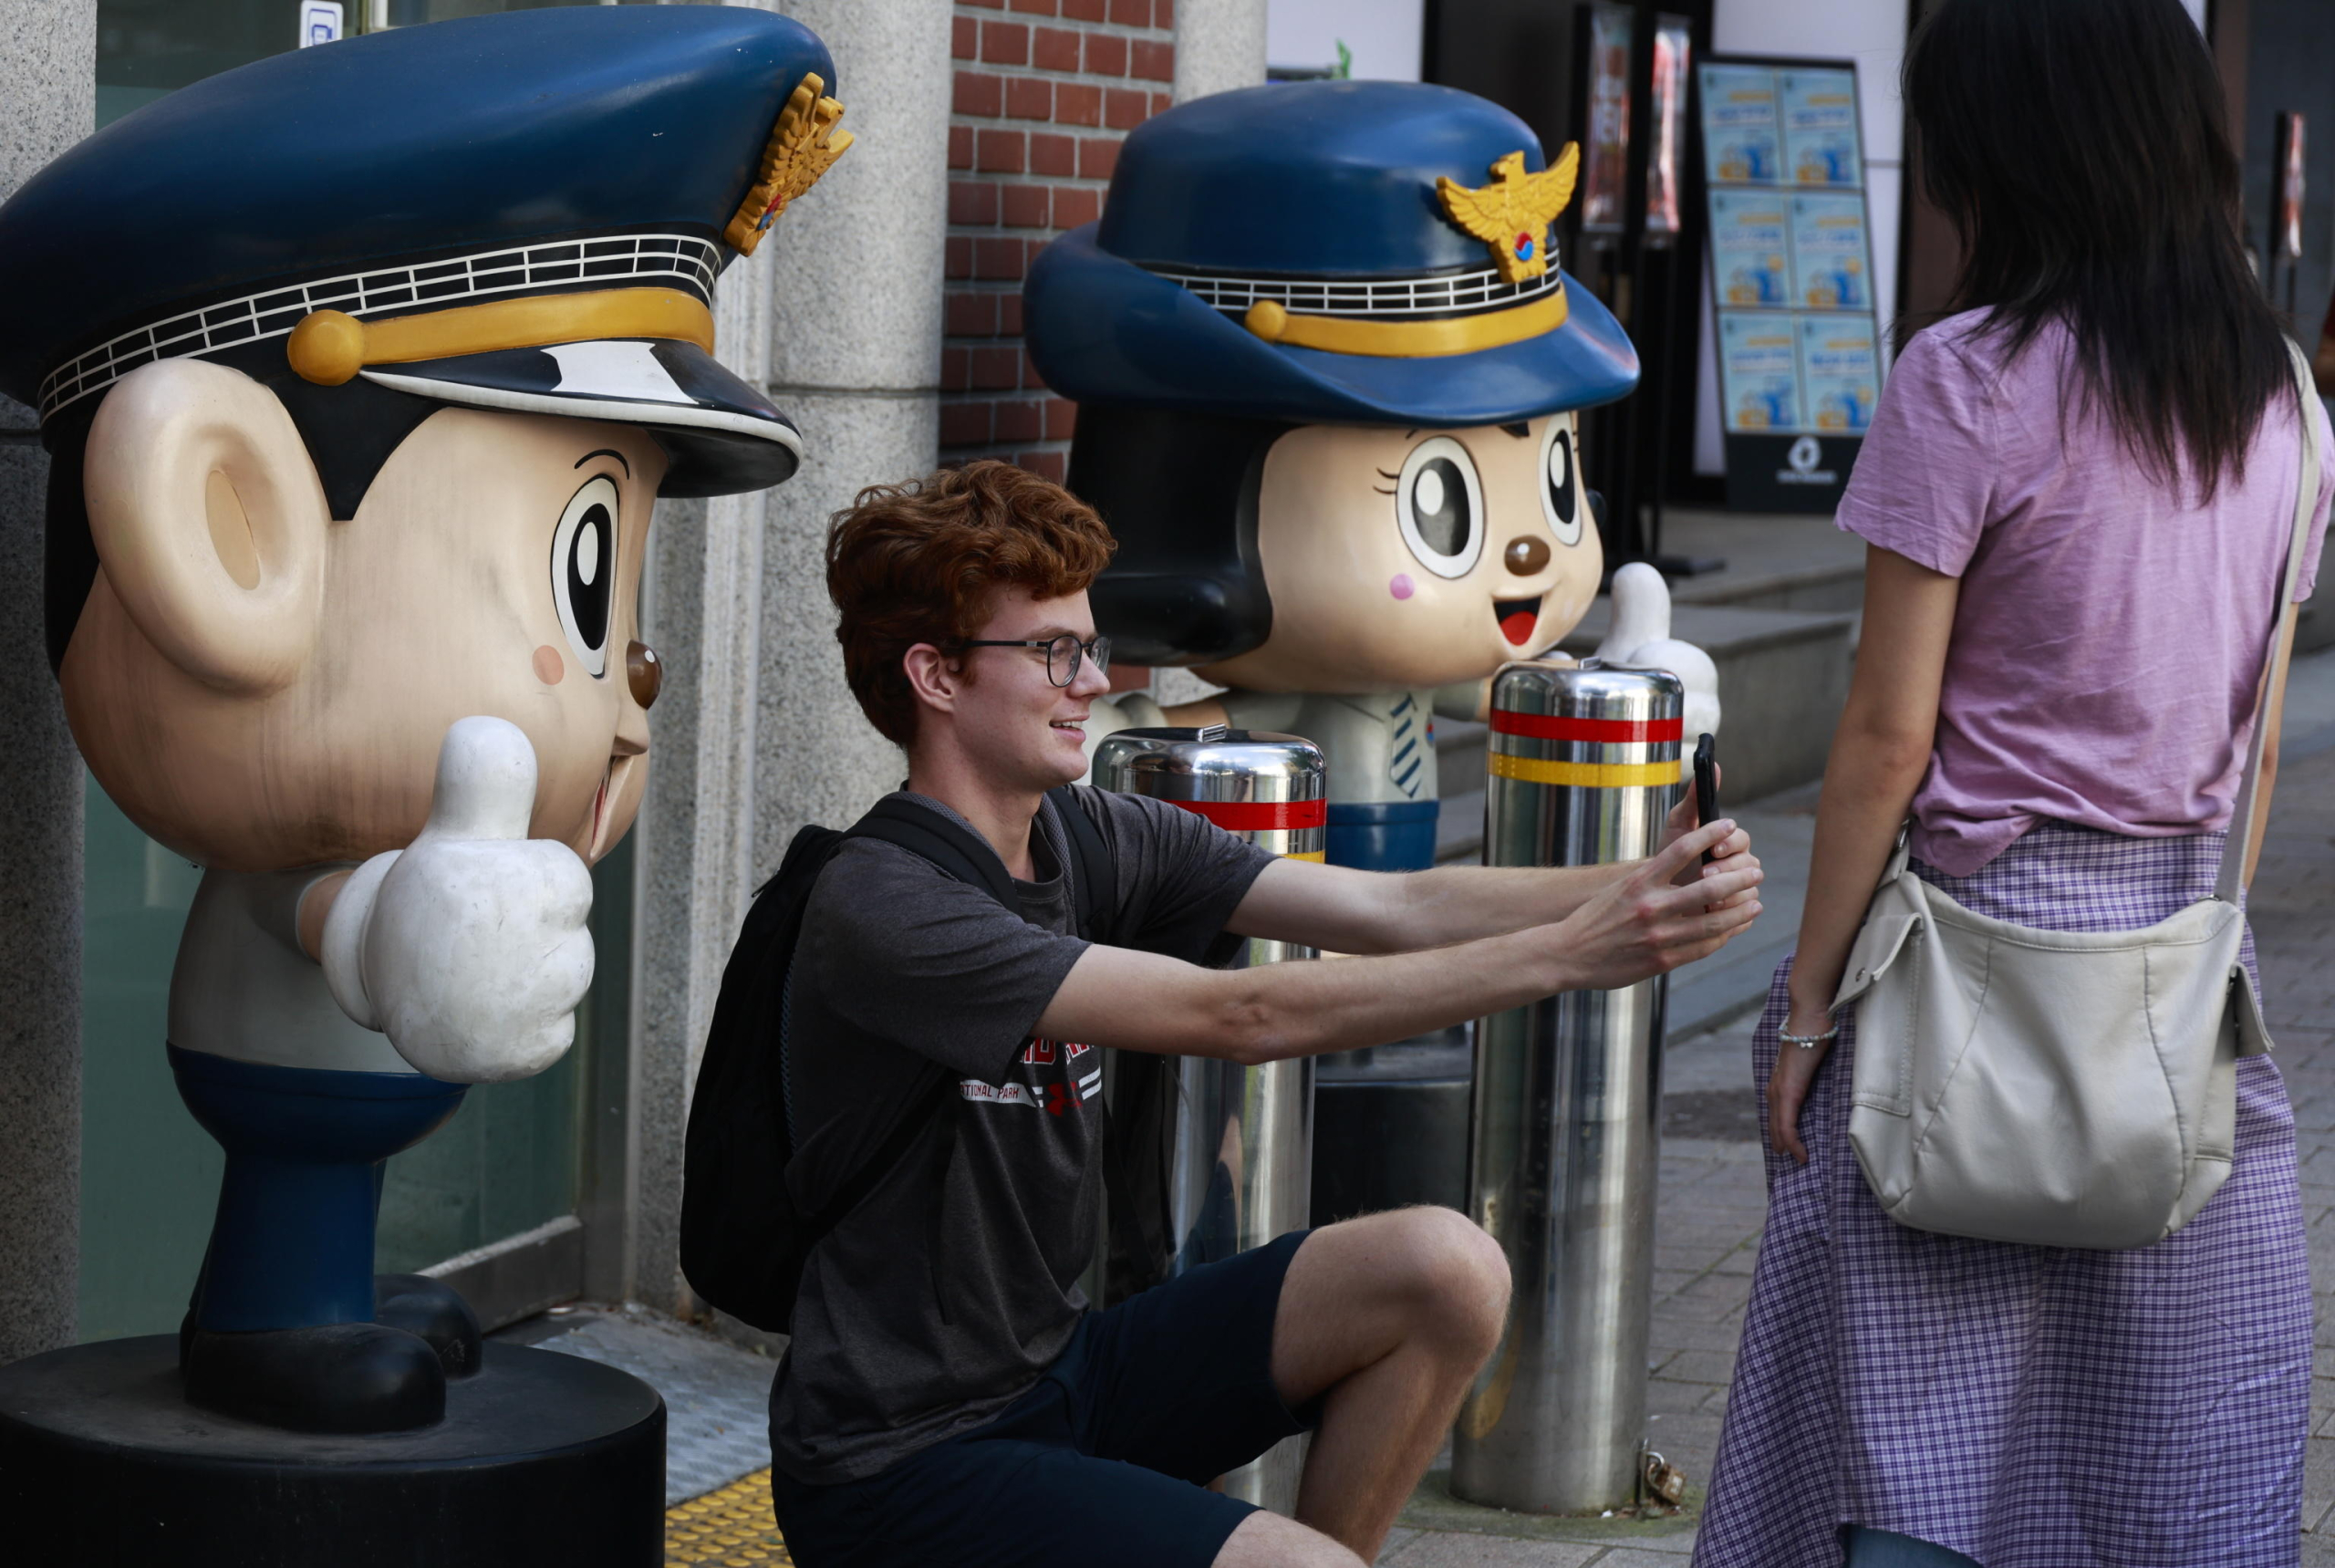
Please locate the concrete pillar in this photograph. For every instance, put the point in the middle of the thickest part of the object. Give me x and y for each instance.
(47, 98)
(838, 314)
(856, 358)
(1219, 45)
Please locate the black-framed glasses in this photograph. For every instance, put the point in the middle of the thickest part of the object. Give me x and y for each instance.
(1063, 653)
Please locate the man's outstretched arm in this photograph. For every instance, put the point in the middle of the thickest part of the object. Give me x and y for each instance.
(1639, 925)
(1344, 911)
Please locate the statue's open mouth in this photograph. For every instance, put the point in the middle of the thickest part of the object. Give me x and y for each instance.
(1518, 618)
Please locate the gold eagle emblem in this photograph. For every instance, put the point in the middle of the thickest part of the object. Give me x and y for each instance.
(1512, 213)
(804, 145)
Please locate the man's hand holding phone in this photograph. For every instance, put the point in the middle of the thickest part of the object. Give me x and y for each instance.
(1666, 911)
(1731, 853)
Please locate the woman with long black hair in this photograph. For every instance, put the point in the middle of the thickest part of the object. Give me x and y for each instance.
(2077, 495)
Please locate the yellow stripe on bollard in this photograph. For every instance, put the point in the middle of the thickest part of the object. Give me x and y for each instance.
(1316, 856)
(1587, 775)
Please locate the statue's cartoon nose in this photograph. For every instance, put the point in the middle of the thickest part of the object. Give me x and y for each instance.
(1526, 555)
(645, 672)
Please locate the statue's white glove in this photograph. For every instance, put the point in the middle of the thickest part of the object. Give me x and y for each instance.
(1640, 638)
(468, 948)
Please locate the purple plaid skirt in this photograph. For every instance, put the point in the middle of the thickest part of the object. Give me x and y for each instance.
(2029, 1406)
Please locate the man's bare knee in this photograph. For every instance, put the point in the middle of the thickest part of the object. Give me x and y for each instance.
(1268, 1541)
(1455, 1275)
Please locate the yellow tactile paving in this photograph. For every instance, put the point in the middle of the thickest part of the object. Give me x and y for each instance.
(731, 1526)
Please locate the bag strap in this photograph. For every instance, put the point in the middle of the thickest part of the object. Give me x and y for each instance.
(965, 857)
(1093, 888)
(920, 830)
(2227, 885)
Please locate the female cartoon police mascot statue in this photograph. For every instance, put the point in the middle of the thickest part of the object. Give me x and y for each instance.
(1327, 369)
(361, 369)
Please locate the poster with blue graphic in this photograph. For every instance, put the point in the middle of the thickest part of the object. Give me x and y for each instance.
(1740, 130)
(1752, 247)
(1758, 358)
(1793, 292)
(1840, 372)
(1831, 265)
(1818, 110)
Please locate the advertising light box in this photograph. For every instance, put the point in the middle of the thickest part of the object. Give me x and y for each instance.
(1791, 277)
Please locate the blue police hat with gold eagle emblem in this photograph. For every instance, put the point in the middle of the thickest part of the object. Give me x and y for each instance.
(1358, 252)
(523, 212)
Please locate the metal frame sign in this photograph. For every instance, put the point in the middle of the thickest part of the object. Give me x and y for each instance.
(1798, 345)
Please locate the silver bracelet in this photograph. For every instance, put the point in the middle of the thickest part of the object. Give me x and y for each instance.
(1810, 1041)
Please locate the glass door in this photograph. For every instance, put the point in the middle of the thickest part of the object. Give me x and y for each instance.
(511, 1159)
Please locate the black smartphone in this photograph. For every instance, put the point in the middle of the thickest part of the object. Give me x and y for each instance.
(1705, 787)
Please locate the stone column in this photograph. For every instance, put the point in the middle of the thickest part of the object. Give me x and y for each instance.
(856, 358)
(1219, 45)
(47, 98)
(838, 314)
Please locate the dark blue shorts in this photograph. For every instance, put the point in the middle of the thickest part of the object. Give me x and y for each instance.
(1106, 1460)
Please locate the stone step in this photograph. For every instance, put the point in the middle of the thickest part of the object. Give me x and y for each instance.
(1824, 587)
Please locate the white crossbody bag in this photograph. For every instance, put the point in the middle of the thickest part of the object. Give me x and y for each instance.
(2061, 1088)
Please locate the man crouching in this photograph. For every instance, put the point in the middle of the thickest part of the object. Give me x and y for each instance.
(949, 1395)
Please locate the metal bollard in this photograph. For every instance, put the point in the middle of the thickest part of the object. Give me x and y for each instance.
(1584, 765)
(1243, 1165)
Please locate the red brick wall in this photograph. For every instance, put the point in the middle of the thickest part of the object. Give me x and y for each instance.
(1045, 91)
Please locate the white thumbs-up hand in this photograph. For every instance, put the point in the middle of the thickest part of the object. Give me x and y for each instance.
(1640, 638)
(468, 948)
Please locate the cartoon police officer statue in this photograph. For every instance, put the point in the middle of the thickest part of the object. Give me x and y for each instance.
(361, 369)
(1327, 371)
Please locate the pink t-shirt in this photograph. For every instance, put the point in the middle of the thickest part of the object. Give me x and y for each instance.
(2111, 632)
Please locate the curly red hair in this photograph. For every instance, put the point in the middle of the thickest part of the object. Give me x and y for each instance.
(924, 561)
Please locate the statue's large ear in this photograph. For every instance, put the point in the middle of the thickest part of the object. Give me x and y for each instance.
(209, 522)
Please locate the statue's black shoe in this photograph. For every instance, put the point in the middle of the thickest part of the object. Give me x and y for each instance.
(434, 1310)
(334, 1377)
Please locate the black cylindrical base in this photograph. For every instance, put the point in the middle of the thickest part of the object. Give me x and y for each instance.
(542, 1457)
(1390, 1126)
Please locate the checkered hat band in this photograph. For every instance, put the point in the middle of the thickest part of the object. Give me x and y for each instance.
(1435, 293)
(687, 261)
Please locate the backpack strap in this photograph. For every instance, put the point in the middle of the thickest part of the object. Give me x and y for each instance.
(1138, 1251)
(959, 854)
(1094, 871)
(956, 851)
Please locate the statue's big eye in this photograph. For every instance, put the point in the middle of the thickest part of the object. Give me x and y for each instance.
(583, 570)
(1439, 507)
(1561, 480)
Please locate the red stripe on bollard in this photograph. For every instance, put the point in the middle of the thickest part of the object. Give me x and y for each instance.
(1260, 815)
(1602, 732)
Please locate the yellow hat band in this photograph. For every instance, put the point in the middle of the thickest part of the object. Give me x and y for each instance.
(329, 347)
(1408, 339)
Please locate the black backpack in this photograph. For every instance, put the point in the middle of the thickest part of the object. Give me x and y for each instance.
(743, 1243)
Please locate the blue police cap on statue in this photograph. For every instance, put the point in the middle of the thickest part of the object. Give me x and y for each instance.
(1371, 253)
(523, 212)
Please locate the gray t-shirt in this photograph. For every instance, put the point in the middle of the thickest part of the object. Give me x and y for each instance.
(948, 1292)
